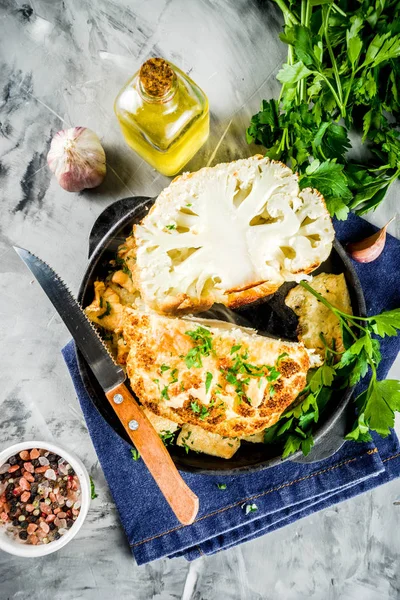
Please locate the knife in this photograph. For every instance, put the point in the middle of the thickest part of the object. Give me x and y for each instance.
(111, 377)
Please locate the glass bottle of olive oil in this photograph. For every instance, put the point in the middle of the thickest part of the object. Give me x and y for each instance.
(163, 115)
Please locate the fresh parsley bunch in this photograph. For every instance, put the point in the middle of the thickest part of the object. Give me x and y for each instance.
(375, 407)
(342, 72)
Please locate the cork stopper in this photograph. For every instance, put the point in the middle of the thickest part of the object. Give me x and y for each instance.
(156, 77)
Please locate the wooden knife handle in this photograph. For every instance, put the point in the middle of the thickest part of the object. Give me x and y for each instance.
(179, 496)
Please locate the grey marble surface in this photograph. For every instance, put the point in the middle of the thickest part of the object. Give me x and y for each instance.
(62, 64)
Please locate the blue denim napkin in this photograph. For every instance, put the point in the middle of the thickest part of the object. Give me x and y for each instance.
(282, 494)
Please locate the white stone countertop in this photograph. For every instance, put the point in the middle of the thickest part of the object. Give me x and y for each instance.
(62, 63)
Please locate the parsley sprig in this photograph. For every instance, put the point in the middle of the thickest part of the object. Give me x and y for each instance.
(376, 406)
(342, 73)
(294, 430)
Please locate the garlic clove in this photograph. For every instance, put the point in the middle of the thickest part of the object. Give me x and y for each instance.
(370, 248)
(77, 159)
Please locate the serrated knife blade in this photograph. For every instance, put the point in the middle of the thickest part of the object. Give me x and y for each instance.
(108, 374)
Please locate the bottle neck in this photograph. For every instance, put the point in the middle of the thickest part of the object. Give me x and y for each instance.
(157, 81)
(158, 99)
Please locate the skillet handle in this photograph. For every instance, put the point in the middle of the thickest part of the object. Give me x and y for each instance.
(179, 496)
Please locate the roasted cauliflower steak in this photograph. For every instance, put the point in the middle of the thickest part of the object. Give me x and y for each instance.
(227, 380)
(229, 234)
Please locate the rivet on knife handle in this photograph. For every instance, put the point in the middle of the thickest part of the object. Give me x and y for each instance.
(179, 496)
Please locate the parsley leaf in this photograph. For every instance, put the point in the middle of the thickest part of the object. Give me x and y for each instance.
(173, 376)
(203, 347)
(202, 412)
(249, 508)
(195, 407)
(293, 73)
(164, 393)
(106, 312)
(168, 437)
(323, 376)
(340, 65)
(291, 446)
(387, 323)
(377, 405)
(209, 377)
(235, 348)
(93, 494)
(135, 454)
(281, 357)
(329, 179)
(221, 486)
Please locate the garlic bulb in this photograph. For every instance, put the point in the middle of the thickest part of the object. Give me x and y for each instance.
(370, 248)
(77, 159)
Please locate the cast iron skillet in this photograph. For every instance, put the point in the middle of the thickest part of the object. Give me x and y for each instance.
(270, 316)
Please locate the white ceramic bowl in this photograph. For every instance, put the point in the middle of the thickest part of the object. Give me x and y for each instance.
(12, 546)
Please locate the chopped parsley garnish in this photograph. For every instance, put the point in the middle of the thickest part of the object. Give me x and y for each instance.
(241, 372)
(203, 339)
(249, 508)
(126, 270)
(273, 374)
(221, 486)
(281, 357)
(101, 302)
(195, 407)
(173, 376)
(189, 205)
(135, 454)
(170, 227)
(167, 437)
(173, 379)
(201, 412)
(106, 312)
(204, 413)
(184, 440)
(164, 393)
(93, 494)
(209, 377)
(235, 348)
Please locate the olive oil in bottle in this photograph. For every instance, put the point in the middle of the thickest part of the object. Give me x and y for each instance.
(163, 115)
